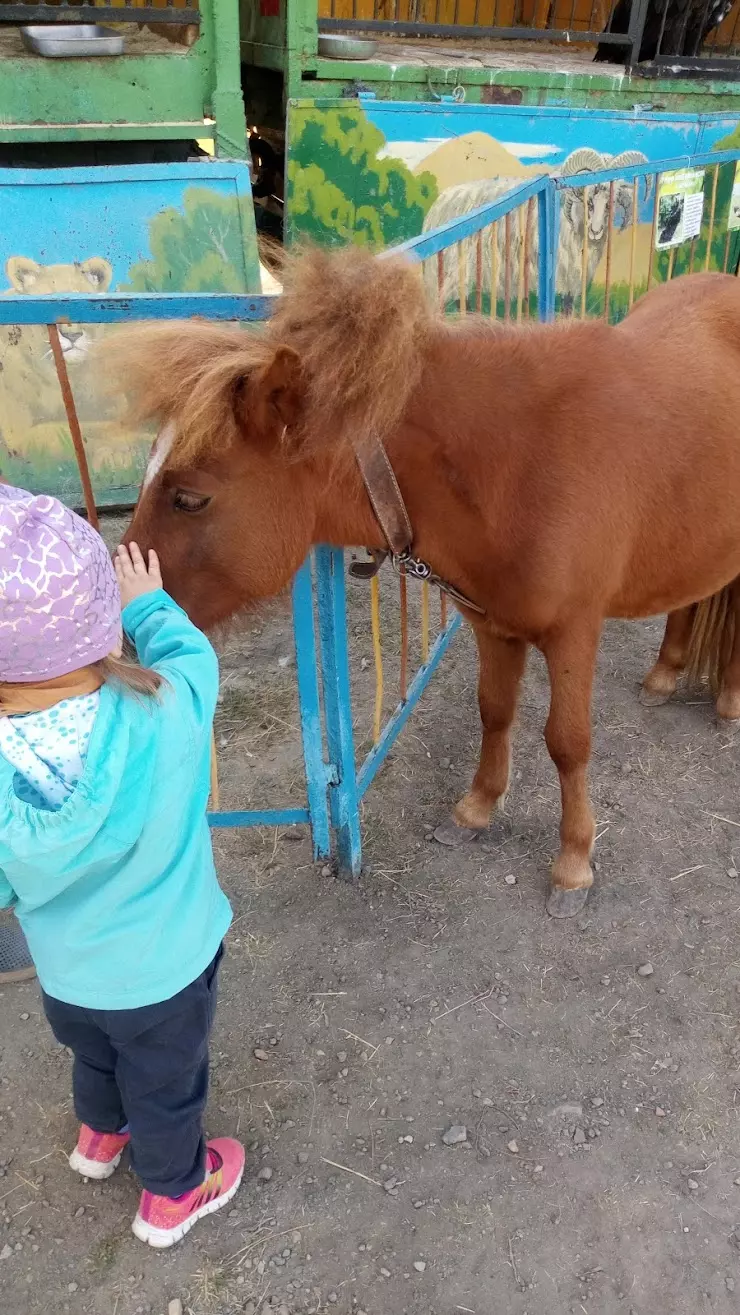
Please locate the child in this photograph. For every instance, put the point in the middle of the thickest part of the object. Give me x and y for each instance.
(105, 852)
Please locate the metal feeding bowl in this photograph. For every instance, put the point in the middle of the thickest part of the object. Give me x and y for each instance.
(337, 46)
(70, 40)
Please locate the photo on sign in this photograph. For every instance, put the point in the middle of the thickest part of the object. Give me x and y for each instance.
(670, 220)
(680, 207)
(733, 221)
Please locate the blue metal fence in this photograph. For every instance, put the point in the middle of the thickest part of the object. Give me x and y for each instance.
(335, 783)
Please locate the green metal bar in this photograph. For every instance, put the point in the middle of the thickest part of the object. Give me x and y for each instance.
(302, 40)
(399, 81)
(157, 95)
(227, 102)
(107, 132)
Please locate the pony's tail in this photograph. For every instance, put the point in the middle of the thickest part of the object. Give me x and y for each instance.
(712, 637)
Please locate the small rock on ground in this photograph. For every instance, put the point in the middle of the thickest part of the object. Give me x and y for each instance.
(455, 1135)
(568, 1110)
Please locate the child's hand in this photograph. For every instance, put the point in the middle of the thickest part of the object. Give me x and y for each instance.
(134, 576)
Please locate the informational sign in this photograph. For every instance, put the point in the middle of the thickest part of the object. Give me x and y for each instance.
(680, 207)
(734, 219)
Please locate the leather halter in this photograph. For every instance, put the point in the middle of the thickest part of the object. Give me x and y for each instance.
(391, 514)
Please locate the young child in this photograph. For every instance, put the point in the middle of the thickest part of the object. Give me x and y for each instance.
(105, 852)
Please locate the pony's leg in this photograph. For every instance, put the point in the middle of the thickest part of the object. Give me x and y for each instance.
(728, 699)
(502, 664)
(661, 681)
(571, 659)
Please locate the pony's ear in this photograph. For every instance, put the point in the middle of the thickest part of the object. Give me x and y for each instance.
(281, 386)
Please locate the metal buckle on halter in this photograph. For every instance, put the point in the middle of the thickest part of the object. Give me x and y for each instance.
(413, 566)
(404, 563)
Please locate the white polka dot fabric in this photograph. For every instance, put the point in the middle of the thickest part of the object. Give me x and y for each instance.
(48, 749)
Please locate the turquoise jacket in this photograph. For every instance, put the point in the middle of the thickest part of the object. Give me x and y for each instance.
(116, 890)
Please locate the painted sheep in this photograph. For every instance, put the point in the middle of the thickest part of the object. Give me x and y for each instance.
(454, 202)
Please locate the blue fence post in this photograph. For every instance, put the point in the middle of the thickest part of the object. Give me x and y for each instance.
(547, 217)
(343, 798)
(317, 771)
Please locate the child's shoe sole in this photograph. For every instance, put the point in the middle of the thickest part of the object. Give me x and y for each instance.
(93, 1168)
(166, 1237)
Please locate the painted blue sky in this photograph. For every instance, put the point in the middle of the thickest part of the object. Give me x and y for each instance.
(546, 135)
(68, 221)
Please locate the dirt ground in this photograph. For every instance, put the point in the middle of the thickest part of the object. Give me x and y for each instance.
(600, 1170)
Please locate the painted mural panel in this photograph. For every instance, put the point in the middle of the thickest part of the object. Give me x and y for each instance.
(377, 173)
(171, 228)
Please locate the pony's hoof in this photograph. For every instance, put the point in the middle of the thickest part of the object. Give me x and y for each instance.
(728, 707)
(654, 698)
(566, 903)
(452, 835)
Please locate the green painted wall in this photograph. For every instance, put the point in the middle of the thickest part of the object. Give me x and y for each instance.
(289, 43)
(163, 95)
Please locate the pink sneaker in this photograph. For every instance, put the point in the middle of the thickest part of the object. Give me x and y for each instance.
(162, 1220)
(97, 1154)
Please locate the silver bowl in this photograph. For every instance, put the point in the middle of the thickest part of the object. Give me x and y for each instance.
(336, 45)
(62, 40)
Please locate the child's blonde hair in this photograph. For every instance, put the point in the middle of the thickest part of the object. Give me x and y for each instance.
(129, 673)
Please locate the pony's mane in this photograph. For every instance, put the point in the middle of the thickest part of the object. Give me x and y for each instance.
(358, 323)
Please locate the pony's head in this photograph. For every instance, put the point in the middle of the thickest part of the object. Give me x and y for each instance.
(254, 425)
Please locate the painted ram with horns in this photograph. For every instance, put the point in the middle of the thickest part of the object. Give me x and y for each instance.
(454, 202)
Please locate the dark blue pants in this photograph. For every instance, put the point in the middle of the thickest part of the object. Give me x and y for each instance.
(147, 1068)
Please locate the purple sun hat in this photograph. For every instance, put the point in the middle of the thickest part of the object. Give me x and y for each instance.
(60, 606)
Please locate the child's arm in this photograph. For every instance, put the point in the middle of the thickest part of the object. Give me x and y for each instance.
(164, 637)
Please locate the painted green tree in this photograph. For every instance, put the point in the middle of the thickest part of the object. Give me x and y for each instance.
(339, 190)
(731, 142)
(199, 248)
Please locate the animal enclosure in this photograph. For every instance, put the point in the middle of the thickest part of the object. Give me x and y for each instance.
(409, 629)
(624, 30)
(607, 247)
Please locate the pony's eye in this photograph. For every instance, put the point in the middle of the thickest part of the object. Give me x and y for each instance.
(190, 501)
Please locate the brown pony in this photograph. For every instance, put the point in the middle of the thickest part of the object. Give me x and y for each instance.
(555, 475)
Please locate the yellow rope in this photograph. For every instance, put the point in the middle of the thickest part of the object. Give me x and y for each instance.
(425, 621)
(377, 655)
